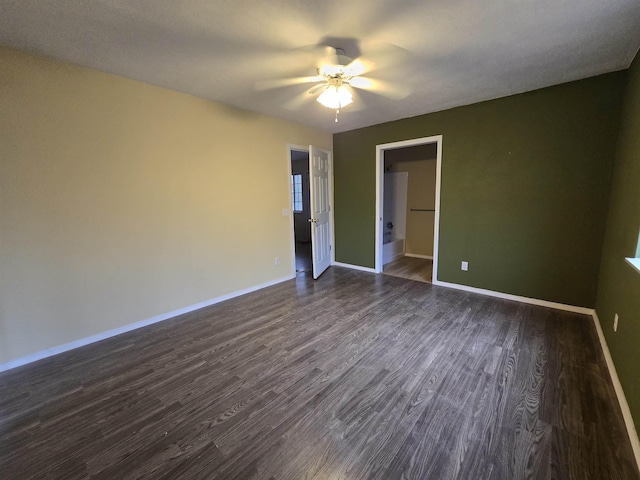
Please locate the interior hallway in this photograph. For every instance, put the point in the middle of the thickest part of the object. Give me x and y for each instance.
(303, 257)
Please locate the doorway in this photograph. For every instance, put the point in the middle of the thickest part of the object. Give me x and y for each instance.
(300, 210)
(311, 180)
(408, 207)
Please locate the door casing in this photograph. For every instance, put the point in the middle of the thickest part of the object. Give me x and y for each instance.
(307, 149)
(380, 149)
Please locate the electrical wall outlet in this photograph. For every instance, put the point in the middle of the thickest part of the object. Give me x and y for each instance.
(615, 323)
(277, 261)
(465, 266)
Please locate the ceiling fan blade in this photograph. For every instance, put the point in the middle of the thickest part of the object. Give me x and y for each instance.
(317, 88)
(355, 68)
(392, 90)
(364, 83)
(384, 55)
(286, 82)
(298, 102)
(357, 105)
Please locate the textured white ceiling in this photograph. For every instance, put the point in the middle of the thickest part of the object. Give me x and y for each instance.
(460, 51)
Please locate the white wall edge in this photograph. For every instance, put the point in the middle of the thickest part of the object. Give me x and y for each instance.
(634, 262)
(49, 352)
(622, 399)
(354, 267)
(517, 298)
(417, 255)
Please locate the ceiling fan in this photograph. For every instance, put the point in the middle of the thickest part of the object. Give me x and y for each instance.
(337, 75)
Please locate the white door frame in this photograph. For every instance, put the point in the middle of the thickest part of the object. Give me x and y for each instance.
(437, 139)
(305, 148)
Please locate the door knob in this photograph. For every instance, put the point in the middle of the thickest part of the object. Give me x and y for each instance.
(313, 220)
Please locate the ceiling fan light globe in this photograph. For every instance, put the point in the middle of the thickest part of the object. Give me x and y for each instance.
(336, 97)
(344, 96)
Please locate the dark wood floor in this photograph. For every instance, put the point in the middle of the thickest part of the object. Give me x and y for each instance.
(411, 268)
(354, 376)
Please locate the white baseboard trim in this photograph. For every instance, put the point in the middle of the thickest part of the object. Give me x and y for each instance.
(417, 255)
(133, 326)
(354, 267)
(622, 399)
(517, 298)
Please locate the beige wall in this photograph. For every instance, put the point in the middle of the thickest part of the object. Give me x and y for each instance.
(120, 201)
(421, 194)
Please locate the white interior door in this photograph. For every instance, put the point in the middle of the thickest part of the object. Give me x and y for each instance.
(320, 210)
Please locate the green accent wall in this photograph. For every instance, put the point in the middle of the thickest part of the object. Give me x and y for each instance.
(525, 187)
(619, 283)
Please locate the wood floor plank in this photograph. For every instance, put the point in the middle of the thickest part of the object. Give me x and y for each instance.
(354, 376)
(411, 268)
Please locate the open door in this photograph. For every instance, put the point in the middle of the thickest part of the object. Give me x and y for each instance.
(320, 210)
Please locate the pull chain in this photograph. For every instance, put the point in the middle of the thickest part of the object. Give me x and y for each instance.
(337, 112)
